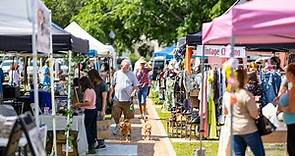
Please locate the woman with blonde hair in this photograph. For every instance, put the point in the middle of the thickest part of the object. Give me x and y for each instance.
(245, 111)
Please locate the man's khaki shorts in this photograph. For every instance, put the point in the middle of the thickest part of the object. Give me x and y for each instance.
(118, 108)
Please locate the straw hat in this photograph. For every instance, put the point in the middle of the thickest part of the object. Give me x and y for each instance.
(141, 61)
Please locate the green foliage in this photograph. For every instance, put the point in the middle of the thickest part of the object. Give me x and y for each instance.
(220, 7)
(164, 20)
(70, 113)
(163, 115)
(145, 50)
(154, 95)
(64, 10)
(133, 57)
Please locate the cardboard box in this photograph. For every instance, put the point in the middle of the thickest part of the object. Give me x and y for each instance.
(103, 129)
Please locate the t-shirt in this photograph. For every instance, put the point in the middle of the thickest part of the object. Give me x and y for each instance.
(124, 83)
(15, 79)
(143, 77)
(243, 123)
(99, 89)
(89, 95)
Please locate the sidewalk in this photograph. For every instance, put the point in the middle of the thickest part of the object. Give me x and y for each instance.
(159, 145)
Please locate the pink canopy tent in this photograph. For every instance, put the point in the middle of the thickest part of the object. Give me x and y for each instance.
(255, 22)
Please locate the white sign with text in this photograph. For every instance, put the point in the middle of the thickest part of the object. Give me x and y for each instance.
(220, 51)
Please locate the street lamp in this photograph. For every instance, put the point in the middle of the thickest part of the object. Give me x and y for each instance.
(112, 35)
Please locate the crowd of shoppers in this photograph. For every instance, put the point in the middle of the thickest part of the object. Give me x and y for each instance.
(96, 95)
(247, 109)
(126, 84)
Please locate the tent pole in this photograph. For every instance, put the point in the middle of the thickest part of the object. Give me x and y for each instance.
(232, 42)
(53, 104)
(79, 72)
(12, 69)
(69, 101)
(35, 79)
(95, 63)
(201, 151)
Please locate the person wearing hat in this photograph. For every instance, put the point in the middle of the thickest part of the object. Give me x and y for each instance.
(142, 75)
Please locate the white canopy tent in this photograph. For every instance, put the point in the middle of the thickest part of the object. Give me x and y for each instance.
(13, 14)
(94, 44)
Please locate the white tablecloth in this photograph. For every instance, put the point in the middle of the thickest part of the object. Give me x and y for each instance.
(78, 125)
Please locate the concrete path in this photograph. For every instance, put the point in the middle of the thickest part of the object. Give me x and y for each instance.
(159, 145)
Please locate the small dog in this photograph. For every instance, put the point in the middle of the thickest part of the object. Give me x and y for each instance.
(146, 130)
(125, 128)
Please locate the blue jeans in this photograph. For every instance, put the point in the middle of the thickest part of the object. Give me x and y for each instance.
(253, 140)
(142, 94)
(99, 118)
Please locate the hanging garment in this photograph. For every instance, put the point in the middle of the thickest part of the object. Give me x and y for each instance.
(204, 104)
(270, 86)
(179, 88)
(187, 60)
(215, 86)
(220, 79)
(211, 106)
(224, 139)
(188, 81)
(169, 97)
(222, 88)
(254, 88)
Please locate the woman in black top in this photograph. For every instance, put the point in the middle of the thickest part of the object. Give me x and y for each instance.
(101, 91)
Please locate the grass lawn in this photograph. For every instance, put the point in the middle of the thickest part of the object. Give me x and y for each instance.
(164, 115)
(187, 148)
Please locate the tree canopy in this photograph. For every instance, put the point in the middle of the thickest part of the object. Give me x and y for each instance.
(130, 20)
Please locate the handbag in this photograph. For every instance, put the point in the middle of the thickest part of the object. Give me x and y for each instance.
(264, 126)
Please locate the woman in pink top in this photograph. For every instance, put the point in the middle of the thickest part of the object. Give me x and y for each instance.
(89, 106)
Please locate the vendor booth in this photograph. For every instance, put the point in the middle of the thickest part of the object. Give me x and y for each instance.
(17, 37)
(255, 23)
(102, 56)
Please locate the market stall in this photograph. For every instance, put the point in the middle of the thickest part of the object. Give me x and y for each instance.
(17, 34)
(253, 23)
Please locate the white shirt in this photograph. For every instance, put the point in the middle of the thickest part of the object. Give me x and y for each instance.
(16, 77)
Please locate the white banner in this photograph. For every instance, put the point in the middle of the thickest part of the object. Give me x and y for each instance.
(43, 27)
(220, 51)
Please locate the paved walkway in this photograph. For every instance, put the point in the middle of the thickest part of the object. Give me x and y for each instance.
(159, 145)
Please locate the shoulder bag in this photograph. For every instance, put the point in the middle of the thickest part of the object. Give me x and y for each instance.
(264, 126)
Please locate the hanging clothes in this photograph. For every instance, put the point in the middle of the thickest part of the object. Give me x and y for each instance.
(215, 85)
(270, 86)
(169, 97)
(224, 138)
(204, 104)
(187, 60)
(211, 106)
